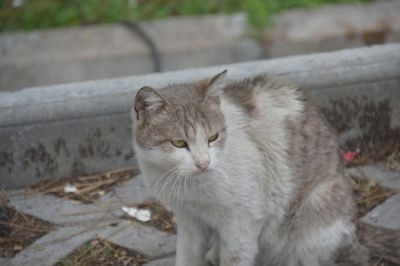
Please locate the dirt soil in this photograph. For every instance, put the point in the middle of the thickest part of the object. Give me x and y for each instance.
(103, 252)
(19, 230)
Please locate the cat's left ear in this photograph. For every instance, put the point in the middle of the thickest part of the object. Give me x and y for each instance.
(148, 101)
(215, 84)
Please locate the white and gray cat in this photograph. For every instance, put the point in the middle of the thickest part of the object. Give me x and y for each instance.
(253, 175)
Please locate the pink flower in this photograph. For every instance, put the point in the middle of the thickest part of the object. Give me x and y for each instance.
(349, 156)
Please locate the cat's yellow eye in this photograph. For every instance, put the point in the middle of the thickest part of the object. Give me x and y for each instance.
(179, 143)
(213, 138)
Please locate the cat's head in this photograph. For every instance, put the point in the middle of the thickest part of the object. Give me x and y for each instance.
(180, 127)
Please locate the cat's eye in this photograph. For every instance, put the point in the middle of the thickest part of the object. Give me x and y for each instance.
(179, 143)
(213, 138)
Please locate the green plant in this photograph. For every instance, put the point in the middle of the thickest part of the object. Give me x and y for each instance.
(39, 14)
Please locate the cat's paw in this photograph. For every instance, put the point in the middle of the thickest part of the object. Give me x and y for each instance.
(212, 256)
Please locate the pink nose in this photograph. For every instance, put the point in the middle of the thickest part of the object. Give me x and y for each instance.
(203, 165)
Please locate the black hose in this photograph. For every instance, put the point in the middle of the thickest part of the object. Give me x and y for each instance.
(137, 30)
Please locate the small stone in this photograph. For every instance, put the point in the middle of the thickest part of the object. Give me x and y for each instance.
(70, 189)
(76, 202)
(17, 247)
(167, 226)
(94, 242)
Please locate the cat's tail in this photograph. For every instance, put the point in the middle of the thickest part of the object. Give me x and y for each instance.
(382, 243)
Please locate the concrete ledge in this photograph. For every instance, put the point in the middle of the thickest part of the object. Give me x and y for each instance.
(58, 131)
(333, 27)
(112, 50)
(109, 51)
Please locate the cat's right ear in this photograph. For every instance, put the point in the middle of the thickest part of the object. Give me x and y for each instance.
(147, 101)
(215, 84)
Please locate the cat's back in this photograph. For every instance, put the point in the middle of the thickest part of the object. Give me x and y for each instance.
(264, 98)
(288, 128)
(302, 163)
(269, 108)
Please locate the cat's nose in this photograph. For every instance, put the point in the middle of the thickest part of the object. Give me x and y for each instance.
(203, 165)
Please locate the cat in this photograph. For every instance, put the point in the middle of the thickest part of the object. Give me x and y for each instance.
(253, 175)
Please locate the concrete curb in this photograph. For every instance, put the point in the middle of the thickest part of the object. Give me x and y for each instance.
(108, 51)
(333, 27)
(78, 128)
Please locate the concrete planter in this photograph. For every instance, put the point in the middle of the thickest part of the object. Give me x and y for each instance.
(80, 128)
(77, 54)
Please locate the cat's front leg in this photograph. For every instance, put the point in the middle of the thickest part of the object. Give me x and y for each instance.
(239, 243)
(191, 244)
(213, 254)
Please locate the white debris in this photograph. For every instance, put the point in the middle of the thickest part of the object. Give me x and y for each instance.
(75, 202)
(140, 214)
(70, 189)
(17, 3)
(132, 2)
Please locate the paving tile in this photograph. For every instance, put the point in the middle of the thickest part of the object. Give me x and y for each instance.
(56, 245)
(144, 239)
(5, 262)
(133, 190)
(162, 262)
(82, 222)
(386, 215)
(52, 247)
(377, 172)
(61, 211)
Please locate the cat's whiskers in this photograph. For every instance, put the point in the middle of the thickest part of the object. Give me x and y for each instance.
(174, 186)
(181, 186)
(163, 177)
(171, 186)
(185, 181)
(174, 190)
(163, 181)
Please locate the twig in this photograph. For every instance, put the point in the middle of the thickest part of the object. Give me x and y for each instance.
(385, 194)
(26, 228)
(84, 253)
(379, 261)
(96, 185)
(105, 243)
(89, 228)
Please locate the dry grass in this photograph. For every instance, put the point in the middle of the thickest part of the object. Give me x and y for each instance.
(89, 188)
(393, 160)
(368, 194)
(19, 230)
(380, 262)
(103, 252)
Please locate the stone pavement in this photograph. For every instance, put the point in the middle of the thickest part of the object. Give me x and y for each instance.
(78, 224)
